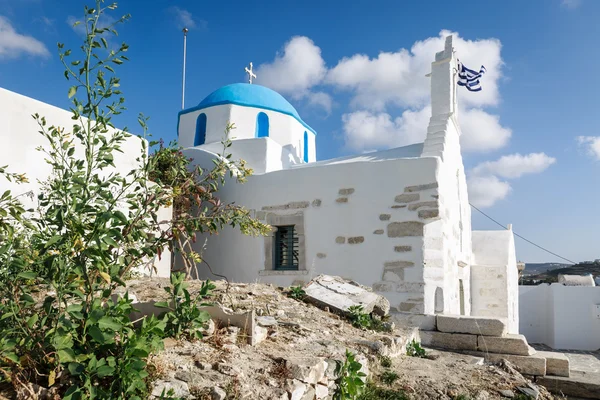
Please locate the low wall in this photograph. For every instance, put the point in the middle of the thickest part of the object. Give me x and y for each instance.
(562, 317)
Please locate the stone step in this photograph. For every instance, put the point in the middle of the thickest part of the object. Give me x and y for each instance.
(473, 325)
(450, 341)
(529, 365)
(579, 384)
(557, 364)
(508, 344)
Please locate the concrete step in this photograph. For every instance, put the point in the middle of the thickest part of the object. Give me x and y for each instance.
(529, 365)
(557, 364)
(508, 344)
(450, 341)
(473, 325)
(584, 385)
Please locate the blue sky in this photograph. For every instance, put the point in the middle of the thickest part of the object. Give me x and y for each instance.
(355, 72)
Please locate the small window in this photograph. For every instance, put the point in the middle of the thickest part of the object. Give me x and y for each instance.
(286, 248)
(200, 137)
(305, 147)
(262, 125)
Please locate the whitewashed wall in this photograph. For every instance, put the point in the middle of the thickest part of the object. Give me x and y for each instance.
(283, 129)
(20, 138)
(562, 317)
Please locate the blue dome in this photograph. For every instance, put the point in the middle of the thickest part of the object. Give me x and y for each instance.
(245, 94)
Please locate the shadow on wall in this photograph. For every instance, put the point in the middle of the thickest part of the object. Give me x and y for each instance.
(288, 155)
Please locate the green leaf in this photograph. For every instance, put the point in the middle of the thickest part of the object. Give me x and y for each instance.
(32, 320)
(27, 275)
(161, 304)
(66, 355)
(75, 368)
(109, 323)
(72, 91)
(11, 356)
(105, 370)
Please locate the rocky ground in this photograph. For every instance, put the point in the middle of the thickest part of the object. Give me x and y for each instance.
(296, 360)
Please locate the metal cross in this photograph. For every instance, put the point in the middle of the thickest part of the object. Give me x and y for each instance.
(251, 74)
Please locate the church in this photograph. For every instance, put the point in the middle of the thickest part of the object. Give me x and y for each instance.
(397, 220)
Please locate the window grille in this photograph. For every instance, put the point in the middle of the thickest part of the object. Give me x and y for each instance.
(286, 248)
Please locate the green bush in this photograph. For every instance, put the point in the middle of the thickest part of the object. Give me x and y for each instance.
(414, 349)
(389, 377)
(297, 293)
(373, 392)
(349, 380)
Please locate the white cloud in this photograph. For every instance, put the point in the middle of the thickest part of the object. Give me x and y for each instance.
(515, 165)
(321, 100)
(365, 131)
(485, 191)
(295, 70)
(571, 4)
(398, 78)
(184, 18)
(591, 145)
(481, 131)
(13, 44)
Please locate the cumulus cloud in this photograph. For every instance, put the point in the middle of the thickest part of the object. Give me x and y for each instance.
(485, 191)
(296, 69)
(366, 131)
(515, 165)
(13, 44)
(485, 188)
(481, 131)
(591, 145)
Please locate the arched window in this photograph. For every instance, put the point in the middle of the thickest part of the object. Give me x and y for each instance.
(439, 300)
(305, 146)
(200, 137)
(262, 125)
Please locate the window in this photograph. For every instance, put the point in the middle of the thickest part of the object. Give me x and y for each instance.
(200, 137)
(305, 146)
(286, 249)
(262, 125)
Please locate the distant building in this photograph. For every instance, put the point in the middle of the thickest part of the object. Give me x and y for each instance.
(576, 280)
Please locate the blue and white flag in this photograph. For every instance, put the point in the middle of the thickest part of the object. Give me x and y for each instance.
(469, 78)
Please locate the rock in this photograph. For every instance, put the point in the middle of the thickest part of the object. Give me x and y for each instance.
(473, 325)
(307, 369)
(179, 388)
(266, 321)
(280, 313)
(557, 364)
(528, 365)
(507, 393)
(218, 394)
(209, 328)
(309, 394)
(297, 391)
(532, 393)
(508, 344)
(260, 334)
(321, 391)
(204, 365)
(483, 395)
(340, 294)
(453, 341)
(230, 347)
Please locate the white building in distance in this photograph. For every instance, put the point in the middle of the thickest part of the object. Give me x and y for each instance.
(397, 220)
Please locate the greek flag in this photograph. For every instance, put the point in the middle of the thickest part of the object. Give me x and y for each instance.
(469, 78)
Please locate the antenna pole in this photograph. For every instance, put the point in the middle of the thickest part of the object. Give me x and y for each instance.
(185, 31)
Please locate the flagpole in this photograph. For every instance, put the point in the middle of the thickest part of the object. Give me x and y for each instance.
(185, 31)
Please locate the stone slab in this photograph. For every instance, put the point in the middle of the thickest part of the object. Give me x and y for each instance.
(339, 294)
(472, 325)
(452, 341)
(557, 364)
(528, 365)
(579, 384)
(508, 344)
(425, 322)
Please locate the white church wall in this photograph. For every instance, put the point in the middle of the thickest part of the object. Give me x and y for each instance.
(356, 225)
(562, 317)
(216, 122)
(494, 277)
(20, 138)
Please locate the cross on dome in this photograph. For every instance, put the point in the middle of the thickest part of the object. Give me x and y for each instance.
(251, 74)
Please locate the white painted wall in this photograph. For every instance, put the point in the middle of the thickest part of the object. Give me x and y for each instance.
(283, 129)
(20, 138)
(562, 317)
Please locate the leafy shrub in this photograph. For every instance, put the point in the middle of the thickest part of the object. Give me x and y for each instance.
(349, 379)
(389, 377)
(414, 349)
(297, 293)
(184, 318)
(373, 392)
(385, 361)
(359, 318)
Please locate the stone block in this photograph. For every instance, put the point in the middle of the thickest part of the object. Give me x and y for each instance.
(452, 341)
(345, 192)
(321, 391)
(557, 364)
(429, 214)
(384, 217)
(340, 240)
(418, 188)
(297, 390)
(307, 369)
(356, 240)
(406, 306)
(403, 229)
(397, 207)
(378, 232)
(341, 200)
(425, 322)
(584, 385)
(316, 203)
(407, 197)
(416, 206)
(473, 325)
(402, 249)
(339, 294)
(528, 365)
(398, 264)
(508, 344)
(393, 275)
